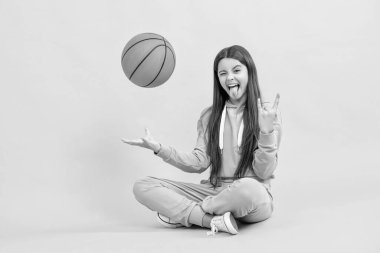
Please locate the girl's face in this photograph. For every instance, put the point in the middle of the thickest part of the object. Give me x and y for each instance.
(233, 76)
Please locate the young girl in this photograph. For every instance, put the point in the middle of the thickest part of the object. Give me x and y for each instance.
(238, 138)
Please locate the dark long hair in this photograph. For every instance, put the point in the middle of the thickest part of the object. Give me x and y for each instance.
(250, 115)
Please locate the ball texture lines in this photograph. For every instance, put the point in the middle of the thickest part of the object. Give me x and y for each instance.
(148, 60)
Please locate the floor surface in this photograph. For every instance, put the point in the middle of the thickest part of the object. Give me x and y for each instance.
(331, 228)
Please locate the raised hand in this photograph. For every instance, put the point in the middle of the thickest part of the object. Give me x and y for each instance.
(267, 115)
(145, 142)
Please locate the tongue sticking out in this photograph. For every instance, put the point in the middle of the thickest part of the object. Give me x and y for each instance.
(234, 91)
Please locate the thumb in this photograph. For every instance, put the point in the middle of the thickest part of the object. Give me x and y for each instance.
(147, 132)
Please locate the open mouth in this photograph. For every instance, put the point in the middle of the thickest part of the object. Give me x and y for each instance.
(233, 86)
(233, 89)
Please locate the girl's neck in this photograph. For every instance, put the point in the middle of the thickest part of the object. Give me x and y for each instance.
(238, 102)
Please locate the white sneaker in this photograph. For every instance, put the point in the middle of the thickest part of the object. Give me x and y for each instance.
(225, 223)
(165, 221)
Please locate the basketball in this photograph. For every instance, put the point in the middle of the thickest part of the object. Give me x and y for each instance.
(148, 60)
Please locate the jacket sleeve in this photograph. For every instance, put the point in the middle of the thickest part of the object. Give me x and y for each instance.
(196, 161)
(265, 159)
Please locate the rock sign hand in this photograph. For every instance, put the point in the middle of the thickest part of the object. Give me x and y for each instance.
(267, 115)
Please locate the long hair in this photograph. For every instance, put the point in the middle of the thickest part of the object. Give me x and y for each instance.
(250, 115)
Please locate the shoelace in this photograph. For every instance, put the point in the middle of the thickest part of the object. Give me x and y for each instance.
(214, 230)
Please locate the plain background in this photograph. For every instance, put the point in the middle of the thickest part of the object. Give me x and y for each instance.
(65, 103)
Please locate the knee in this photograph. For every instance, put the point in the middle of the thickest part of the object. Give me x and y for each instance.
(141, 186)
(251, 191)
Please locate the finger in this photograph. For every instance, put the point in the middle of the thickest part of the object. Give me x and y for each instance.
(265, 106)
(132, 142)
(276, 101)
(126, 141)
(147, 132)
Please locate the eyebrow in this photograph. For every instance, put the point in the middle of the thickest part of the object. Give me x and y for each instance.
(239, 65)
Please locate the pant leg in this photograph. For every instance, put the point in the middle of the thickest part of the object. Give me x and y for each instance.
(170, 198)
(246, 198)
(260, 214)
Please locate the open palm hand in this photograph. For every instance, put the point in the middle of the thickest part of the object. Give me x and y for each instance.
(146, 142)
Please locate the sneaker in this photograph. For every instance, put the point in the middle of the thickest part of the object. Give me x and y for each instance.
(225, 223)
(165, 221)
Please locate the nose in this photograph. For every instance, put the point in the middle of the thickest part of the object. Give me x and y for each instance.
(230, 77)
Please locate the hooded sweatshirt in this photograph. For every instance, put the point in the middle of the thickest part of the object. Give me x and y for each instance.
(197, 161)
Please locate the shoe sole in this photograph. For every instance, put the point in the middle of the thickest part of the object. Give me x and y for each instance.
(231, 223)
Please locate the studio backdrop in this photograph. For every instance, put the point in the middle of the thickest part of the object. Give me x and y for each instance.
(65, 102)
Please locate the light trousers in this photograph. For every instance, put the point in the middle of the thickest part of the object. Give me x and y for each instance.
(246, 198)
